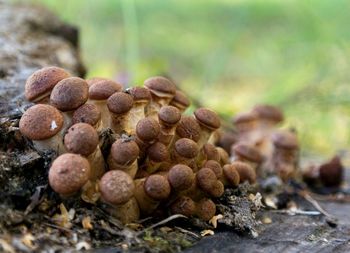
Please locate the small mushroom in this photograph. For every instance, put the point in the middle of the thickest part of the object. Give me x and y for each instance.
(246, 125)
(150, 191)
(69, 173)
(215, 167)
(68, 95)
(205, 209)
(82, 139)
(157, 154)
(247, 153)
(117, 188)
(209, 121)
(142, 98)
(180, 101)
(119, 106)
(168, 117)
(39, 85)
(331, 173)
(245, 171)
(231, 175)
(90, 114)
(147, 132)
(43, 125)
(188, 128)
(185, 152)
(100, 89)
(162, 92)
(208, 152)
(123, 156)
(209, 183)
(180, 177)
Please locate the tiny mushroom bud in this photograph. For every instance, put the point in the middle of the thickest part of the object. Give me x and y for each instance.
(185, 151)
(150, 191)
(245, 171)
(100, 89)
(180, 101)
(147, 132)
(142, 98)
(69, 173)
(39, 85)
(230, 175)
(209, 121)
(117, 188)
(123, 156)
(82, 138)
(162, 92)
(43, 125)
(246, 153)
(209, 183)
(68, 95)
(205, 209)
(168, 117)
(180, 177)
(183, 205)
(119, 105)
(157, 153)
(88, 113)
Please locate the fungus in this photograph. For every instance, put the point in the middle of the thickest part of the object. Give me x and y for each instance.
(209, 121)
(88, 113)
(180, 101)
(168, 117)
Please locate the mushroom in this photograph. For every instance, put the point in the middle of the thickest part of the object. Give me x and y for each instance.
(209, 183)
(119, 106)
(142, 98)
(162, 92)
(82, 139)
(245, 171)
(168, 117)
(180, 101)
(68, 174)
(180, 177)
(331, 173)
(285, 154)
(224, 156)
(39, 85)
(147, 132)
(215, 167)
(117, 189)
(157, 153)
(188, 128)
(227, 139)
(205, 209)
(209, 122)
(43, 125)
(123, 156)
(246, 153)
(90, 114)
(208, 152)
(185, 152)
(150, 191)
(68, 95)
(247, 128)
(231, 176)
(100, 89)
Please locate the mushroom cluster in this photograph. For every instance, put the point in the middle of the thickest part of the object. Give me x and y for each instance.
(257, 139)
(161, 160)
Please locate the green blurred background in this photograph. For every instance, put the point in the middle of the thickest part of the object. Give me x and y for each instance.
(229, 54)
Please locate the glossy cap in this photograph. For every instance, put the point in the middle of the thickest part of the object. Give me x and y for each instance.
(69, 94)
(42, 81)
(41, 122)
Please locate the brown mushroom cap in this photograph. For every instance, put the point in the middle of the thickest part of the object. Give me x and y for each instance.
(285, 139)
(139, 94)
(116, 187)
(245, 171)
(183, 205)
(215, 167)
(211, 152)
(69, 94)
(147, 129)
(245, 117)
(157, 187)
(82, 139)
(94, 80)
(158, 152)
(207, 118)
(120, 103)
(186, 148)
(42, 81)
(41, 122)
(205, 209)
(102, 89)
(269, 112)
(124, 152)
(231, 174)
(181, 177)
(206, 179)
(169, 115)
(68, 173)
(188, 128)
(160, 86)
(180, 100)
(248, 152)
(87, 113)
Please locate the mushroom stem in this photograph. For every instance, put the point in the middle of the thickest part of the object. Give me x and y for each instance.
(54, 143)
(131, 169)
(105, 115)
(126, 213)
(97, 164)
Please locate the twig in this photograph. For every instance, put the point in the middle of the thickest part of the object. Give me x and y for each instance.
(185, 231)
(314, 202)
(162, 222)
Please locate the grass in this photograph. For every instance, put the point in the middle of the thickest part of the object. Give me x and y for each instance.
(230, 54)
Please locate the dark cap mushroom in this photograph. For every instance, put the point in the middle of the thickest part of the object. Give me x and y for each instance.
(245, 171)
(247, 153)
(168, 117)
(147, 132)
(180, 101)
(180, 177)
(185, 151)
(188, 128)
(88, 113)
(157, 153)
(209, 121)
